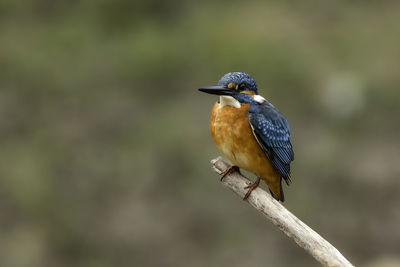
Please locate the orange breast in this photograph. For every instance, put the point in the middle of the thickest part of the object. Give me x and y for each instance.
(234, 137)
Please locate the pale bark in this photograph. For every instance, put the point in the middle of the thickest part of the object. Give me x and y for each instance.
(295, 229)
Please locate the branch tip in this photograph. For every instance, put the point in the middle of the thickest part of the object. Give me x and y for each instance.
(289, 224)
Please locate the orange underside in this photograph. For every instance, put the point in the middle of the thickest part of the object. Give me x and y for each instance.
(234, 137)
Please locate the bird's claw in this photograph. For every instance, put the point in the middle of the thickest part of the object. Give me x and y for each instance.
(229, 171)
(251, 187)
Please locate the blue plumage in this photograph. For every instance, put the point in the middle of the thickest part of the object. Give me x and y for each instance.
(272, 132)
(243, 80)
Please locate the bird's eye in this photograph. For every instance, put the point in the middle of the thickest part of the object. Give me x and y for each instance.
(242, 86)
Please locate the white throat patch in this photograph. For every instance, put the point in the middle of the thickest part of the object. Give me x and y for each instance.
(228, 101)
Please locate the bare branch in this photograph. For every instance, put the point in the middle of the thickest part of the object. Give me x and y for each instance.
(295, 229)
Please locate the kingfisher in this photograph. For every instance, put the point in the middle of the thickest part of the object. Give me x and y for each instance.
(250, 132)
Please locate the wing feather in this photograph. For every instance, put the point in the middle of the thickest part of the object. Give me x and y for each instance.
(272, 132)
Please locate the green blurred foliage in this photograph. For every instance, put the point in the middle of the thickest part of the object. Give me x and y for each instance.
(105, 143)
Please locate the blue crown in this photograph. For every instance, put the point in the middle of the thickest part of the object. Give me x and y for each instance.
(243, 80)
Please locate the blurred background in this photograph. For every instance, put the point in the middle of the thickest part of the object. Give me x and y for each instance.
(105, 146)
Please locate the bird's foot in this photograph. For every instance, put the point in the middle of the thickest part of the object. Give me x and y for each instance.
(251, 187)
(229, 171)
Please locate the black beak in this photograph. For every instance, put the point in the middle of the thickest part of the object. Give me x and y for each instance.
(217, 90)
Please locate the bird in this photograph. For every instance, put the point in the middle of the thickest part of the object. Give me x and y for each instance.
(250, 132)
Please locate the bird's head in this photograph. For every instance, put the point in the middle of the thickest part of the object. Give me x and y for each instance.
(231, 84)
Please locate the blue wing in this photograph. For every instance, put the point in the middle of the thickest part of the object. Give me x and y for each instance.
(272, 131)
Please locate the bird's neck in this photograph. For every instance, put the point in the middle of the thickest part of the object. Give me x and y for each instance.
(228, 101)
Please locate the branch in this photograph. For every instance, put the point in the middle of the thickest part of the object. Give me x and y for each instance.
(295, 229)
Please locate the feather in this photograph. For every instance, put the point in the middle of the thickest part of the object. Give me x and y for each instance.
(272, 132)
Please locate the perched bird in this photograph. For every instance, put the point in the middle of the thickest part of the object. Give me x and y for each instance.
(250, 132)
